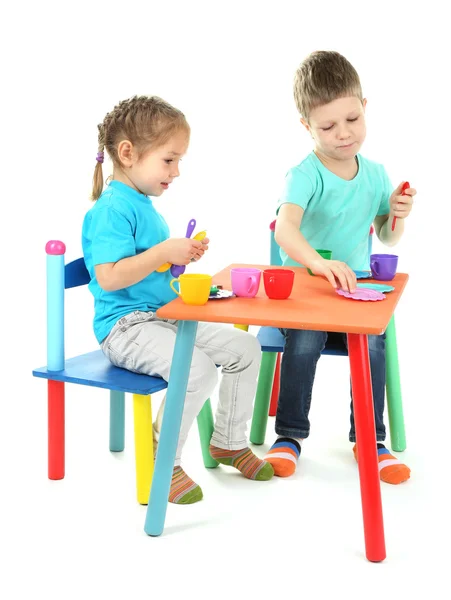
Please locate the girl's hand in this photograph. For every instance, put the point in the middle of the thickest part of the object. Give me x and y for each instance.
(182, 251)
(204, 248)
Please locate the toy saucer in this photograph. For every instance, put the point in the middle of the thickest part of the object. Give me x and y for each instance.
(363, 274)
(379, 287)
(362, 294)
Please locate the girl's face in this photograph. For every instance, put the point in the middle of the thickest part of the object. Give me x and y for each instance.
(153, 173)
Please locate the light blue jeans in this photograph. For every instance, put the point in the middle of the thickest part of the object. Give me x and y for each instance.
(143, 343)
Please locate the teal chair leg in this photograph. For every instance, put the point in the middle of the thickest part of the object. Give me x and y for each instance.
(117, 421)
(205, 424)
(262, 397)
(394, 398)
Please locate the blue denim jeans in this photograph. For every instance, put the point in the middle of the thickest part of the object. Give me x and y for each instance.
(302, 351)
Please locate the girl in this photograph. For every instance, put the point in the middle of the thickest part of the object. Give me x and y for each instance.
(125, 240)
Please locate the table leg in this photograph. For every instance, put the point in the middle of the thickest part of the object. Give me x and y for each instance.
(370, 490)
(170, 427)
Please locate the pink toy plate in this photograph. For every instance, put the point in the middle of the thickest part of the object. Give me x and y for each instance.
(362, 294)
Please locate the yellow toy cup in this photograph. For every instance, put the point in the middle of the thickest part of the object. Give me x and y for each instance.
(194, 288)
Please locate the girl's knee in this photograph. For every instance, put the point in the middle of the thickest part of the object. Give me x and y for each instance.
(203, 376)
(250, 349)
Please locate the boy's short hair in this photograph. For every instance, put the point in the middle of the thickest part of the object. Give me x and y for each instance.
(323, 77)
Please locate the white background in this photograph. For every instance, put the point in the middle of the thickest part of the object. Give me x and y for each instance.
(229, 67)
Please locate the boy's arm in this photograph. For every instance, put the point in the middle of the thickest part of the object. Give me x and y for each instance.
(289, 237)
(383, 227)
(291, 240)
(400, 207)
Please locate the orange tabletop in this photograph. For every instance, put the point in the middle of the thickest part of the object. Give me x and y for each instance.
(313, 304)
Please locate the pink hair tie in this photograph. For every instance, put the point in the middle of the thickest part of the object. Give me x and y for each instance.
(100, 156)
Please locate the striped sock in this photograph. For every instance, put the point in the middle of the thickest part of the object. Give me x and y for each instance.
(391, 469)
(283, 456)
(183, 489)
(245, 461)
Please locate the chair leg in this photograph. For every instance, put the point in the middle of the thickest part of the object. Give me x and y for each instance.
(142, 411)
(205, 424)
(117, 421)
(261, 405)
(55, 393)
(394, 397)
(275, 388)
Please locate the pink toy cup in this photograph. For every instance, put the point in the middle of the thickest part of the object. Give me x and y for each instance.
(245, 282)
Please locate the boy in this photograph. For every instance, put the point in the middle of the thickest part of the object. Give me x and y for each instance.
(331, 200)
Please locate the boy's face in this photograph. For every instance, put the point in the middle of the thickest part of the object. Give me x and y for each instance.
(338, 127)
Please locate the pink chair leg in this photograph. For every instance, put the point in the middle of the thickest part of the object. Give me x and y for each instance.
(275, 388)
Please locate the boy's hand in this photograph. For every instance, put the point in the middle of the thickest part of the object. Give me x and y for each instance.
(336, 272)
(401, 202)
(182, 251)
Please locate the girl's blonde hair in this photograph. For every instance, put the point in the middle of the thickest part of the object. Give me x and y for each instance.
(146, 121)
(323, 77)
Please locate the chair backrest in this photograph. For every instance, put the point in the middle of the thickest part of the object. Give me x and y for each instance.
(59, 278)
(274, 248)
(76, 274)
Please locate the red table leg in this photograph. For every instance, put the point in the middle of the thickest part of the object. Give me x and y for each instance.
(370, 489)
(275, 388)
(56, 429)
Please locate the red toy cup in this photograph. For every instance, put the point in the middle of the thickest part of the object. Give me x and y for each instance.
(278, 283)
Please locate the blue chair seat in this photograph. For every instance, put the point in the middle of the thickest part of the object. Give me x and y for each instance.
(272, 340)
(94, 369)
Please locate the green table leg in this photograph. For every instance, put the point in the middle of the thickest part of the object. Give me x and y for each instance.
(262, 397)
(394, 397)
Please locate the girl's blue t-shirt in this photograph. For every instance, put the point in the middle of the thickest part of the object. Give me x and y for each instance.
(122, 223)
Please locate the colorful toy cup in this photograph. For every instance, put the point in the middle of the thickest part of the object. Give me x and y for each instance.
(383, 266)
(194, 288)
(278, 283)
(245, 282)
(327, 254)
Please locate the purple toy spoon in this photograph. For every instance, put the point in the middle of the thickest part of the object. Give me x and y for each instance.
(177, 270)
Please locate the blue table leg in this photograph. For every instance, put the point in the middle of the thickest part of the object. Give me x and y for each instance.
(170, 427)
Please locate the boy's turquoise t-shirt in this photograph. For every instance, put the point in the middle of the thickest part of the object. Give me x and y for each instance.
(338, 214)
(123, 223)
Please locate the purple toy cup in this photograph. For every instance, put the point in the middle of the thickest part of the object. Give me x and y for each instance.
(383, 266)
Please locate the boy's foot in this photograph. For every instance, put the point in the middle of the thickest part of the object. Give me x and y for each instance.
(283, 456)
(245, 461)
(391, 470)
(183, 489)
